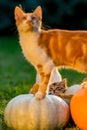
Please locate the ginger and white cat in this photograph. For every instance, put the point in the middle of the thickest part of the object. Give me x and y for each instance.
(46, 50)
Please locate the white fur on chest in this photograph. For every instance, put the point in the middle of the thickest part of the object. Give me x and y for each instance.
(31, 50)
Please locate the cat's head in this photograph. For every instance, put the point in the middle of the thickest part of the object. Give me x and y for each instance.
(58, 88)
(28, 21)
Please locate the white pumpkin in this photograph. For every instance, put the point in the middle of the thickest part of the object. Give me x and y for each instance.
(72, 89)
(25, 112)
(70, 92)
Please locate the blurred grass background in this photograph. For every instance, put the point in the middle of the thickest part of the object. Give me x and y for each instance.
(17, 75)
(65, 14)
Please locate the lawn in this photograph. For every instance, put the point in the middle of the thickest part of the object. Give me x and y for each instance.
(17, 75)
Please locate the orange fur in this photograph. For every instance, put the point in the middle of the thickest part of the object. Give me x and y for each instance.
(66, 48)
(47, 49)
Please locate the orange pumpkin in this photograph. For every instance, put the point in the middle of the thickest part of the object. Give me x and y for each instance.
(78, 107)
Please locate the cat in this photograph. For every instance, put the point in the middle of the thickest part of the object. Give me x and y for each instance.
(58, 88)
(55, 77)
(47, 49)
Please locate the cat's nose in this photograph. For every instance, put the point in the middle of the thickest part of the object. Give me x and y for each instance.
(50, 93)
(29, 18)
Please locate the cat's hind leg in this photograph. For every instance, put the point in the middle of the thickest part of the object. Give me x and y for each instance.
(55, 76)
(35, 87)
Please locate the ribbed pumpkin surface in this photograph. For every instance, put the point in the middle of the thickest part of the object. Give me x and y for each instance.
(24, 112)
(78, 107)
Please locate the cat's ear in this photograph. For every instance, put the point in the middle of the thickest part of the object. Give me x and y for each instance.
(38, 12)
(18, 13)
(64, 82)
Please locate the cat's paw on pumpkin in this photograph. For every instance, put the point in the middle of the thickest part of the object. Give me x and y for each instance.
(39, 95)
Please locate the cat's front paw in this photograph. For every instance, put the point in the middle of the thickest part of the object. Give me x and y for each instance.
(34, 89)
(39, 95)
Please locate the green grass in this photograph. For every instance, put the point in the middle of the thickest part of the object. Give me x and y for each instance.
(17, 76)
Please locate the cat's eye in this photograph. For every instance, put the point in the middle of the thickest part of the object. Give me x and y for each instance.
(33, 18)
